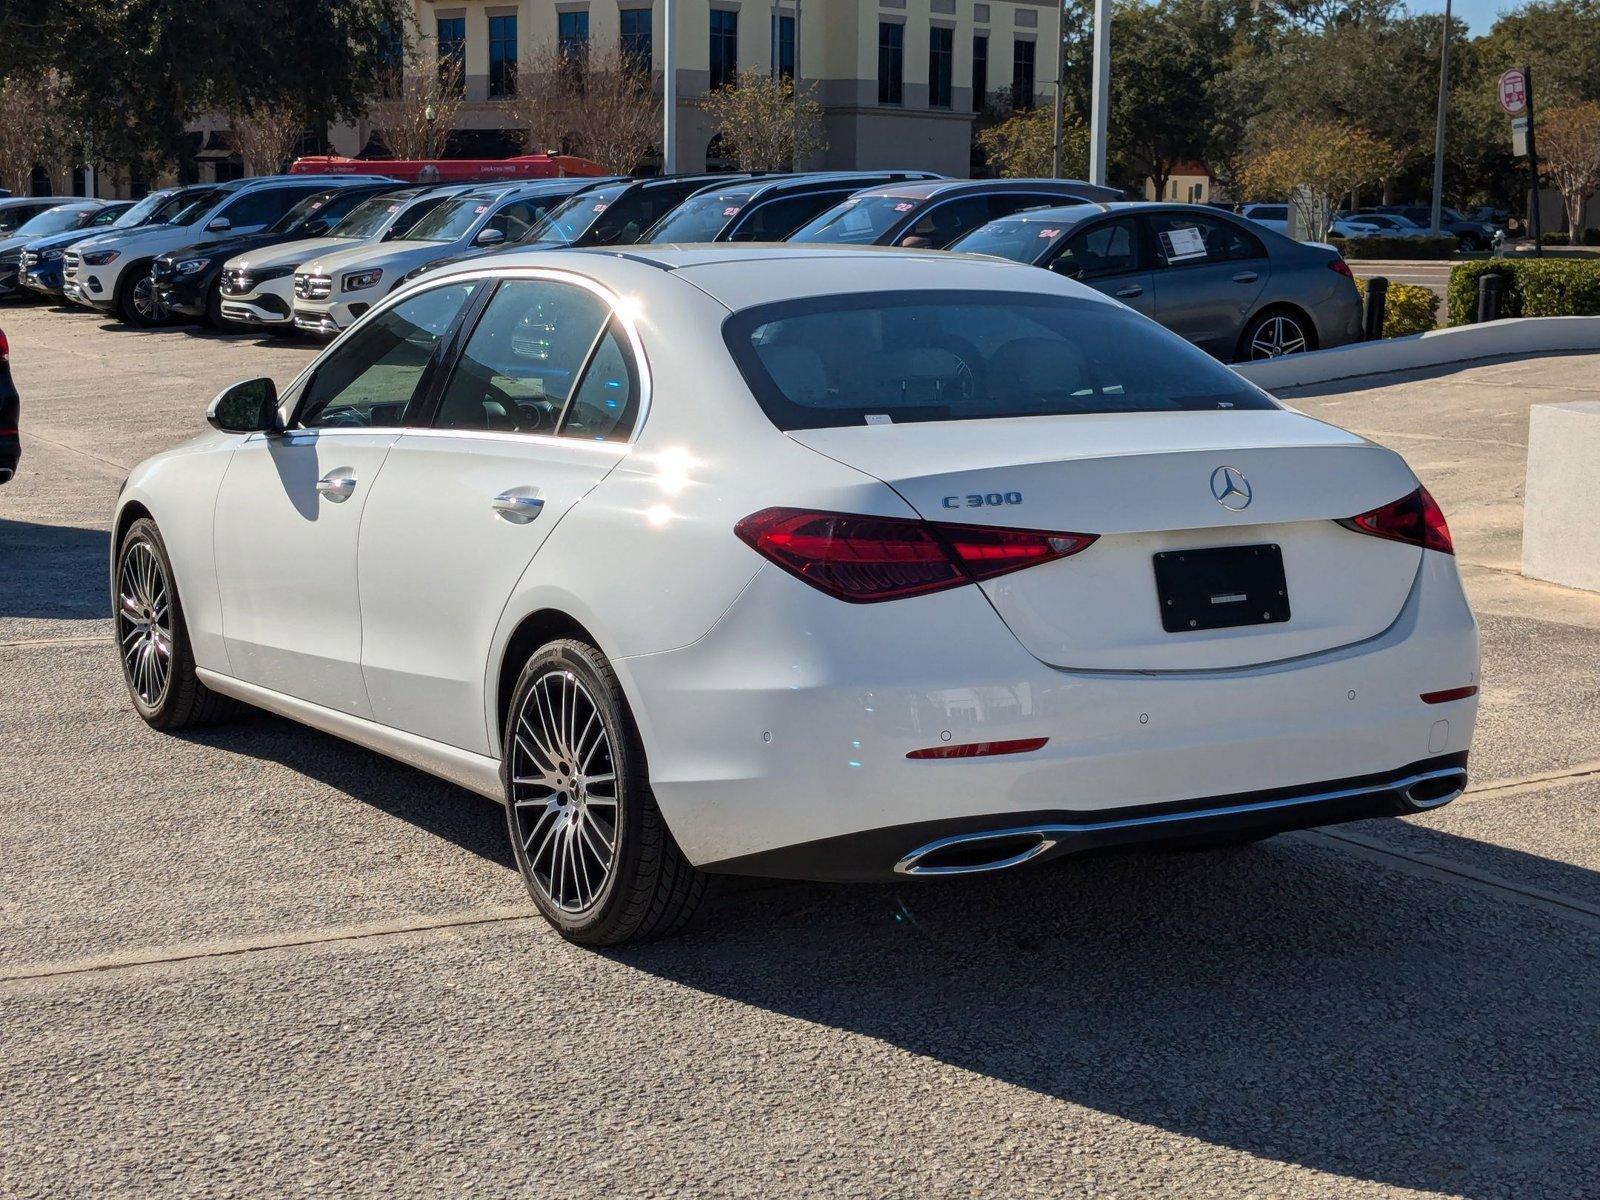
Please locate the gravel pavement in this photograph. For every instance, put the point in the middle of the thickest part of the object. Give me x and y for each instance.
(256, 961)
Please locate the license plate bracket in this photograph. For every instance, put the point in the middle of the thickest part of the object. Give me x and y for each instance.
(1221, 587)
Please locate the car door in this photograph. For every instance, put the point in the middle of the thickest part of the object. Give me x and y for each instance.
(1209, 273)
(537, 408)
(288, 512)
(1108, 256)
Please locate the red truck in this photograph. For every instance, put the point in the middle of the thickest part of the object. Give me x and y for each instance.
(450, 170)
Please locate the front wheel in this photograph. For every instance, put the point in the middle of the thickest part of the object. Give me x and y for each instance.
(591, 844)
(140, 305)
(152, 642)
(1274, 334)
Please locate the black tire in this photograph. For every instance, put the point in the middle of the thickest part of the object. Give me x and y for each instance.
(181, 701)
(1275, 325)
(131, 291)
(557, 824)
(214, 317)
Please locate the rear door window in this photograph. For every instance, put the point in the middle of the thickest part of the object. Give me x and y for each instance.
(1185, 239)
(888, 358)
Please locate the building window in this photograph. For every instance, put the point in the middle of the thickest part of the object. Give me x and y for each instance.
(1022, 74)
(783, 46)
(891, 63)
(980, 70)
(637, 48)
(452, 53)
(503, 56)
(724, 48)
(391, 62)
(941, 66)
(572, 39)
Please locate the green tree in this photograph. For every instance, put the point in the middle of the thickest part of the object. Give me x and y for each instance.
(1023, 145)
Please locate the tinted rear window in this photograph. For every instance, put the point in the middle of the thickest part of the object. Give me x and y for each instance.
(960, 356)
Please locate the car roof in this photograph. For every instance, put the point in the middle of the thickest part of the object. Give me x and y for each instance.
(928, 189)
(765, 188)
(740, 275)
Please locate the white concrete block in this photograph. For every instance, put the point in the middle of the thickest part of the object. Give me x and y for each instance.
(1561, 506)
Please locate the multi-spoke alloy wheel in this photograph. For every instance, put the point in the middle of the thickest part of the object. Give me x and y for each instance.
(153, 644)
(144, 623)
(564, 791)
(588, 838)
(148, 304)
(1276, 335)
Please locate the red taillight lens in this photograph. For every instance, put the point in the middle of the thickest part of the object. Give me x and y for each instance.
(1339, 267)
(867, 559)
(5, 346)
(1414, 519)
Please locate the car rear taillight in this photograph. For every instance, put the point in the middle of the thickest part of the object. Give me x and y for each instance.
(5, 346)
(1414, 519)
(1339, 267)
(866, 559)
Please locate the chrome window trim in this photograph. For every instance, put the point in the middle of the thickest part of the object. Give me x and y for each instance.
(290, 397)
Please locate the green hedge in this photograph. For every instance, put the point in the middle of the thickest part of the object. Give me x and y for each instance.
(1408, 308)
(1397, 247)
(1551, 287)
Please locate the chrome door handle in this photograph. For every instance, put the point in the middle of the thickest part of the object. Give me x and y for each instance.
(337, 486)
(517, 507)
(1246, 277)
(1133, 289)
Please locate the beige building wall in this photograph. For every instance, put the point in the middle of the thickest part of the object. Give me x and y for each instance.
(838, 58)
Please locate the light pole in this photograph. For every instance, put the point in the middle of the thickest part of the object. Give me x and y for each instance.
(794, 91)
(1444, 110)
(430, 115)
(1100, 103)
(669, 90)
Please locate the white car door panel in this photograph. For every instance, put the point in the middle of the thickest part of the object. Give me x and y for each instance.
(289, 511)
(535, 413)
(286, 561)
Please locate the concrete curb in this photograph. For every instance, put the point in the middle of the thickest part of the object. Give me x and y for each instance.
(1437, 347)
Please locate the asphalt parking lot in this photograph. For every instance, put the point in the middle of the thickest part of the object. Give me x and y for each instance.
(257, 961)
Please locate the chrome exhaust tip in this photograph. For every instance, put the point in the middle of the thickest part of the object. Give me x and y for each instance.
(975, 853)
(1434, 790)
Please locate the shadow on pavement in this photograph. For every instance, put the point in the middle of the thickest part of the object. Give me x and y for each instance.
(54, 571)
(1286, 1000)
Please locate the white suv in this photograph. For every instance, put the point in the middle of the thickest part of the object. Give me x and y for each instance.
(112, 273)
(258, 286)
(333, 291)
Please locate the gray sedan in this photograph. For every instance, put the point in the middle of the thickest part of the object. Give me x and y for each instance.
(1231, 287)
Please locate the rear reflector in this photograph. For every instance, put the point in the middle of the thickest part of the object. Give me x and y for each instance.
(867, 559)
(980, 749)
(1449, 694)
(1414, 519)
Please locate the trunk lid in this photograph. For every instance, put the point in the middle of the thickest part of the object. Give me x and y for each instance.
(1142, 482)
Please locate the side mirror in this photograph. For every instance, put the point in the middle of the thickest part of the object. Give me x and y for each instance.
(490, 237)
(248, 407)
(220, 225)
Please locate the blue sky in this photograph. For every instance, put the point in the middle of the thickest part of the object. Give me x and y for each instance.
(1478, 14)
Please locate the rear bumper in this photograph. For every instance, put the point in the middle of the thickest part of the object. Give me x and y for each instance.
(974, 845)
(789, 724)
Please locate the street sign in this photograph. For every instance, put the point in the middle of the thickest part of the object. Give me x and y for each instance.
(1514, 91)
(1519, 137)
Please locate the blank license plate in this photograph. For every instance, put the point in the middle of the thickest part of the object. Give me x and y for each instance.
(1221, 587)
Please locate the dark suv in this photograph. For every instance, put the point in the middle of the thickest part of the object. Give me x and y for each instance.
(1473, 235)
(766, 210)
(188, 279)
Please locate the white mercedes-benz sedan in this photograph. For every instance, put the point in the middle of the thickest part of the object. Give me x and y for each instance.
(803, 562)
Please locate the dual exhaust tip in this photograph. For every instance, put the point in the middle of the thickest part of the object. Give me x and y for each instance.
(1002, 849)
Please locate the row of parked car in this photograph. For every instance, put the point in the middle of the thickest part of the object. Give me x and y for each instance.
(311, 254)
(1472, 232)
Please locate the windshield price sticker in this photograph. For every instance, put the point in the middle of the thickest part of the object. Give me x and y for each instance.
(904, 206)
(601, 207)
(480, 210)
(731, 211)
(1049, 233)
(1182, 244)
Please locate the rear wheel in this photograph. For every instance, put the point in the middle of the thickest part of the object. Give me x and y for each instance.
(591, 844)
(1275, 333)
(152, 642)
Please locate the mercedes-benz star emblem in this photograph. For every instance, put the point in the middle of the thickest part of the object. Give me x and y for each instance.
(1231, 488)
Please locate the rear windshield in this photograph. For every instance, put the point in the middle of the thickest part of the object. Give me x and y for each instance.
(699, 218)
(882, 358)
(858, 222)
(1020, 239)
